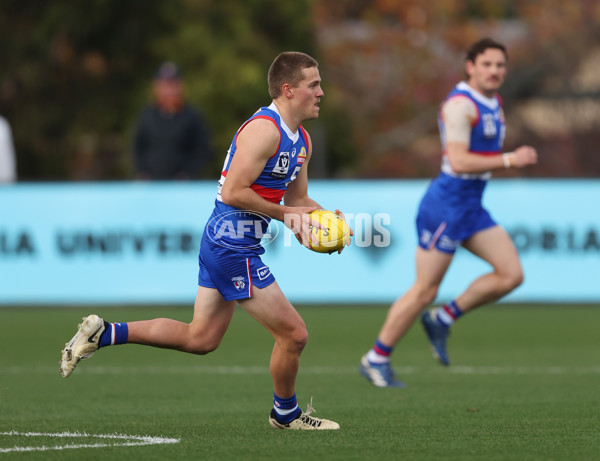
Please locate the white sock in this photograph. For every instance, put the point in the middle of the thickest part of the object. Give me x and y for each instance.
(444, 317)
(374, 357)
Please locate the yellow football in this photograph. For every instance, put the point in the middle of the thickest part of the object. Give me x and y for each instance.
(333, 234)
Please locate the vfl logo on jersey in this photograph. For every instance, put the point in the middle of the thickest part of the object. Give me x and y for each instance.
(263, 272)
(282, 166)
(239, 283)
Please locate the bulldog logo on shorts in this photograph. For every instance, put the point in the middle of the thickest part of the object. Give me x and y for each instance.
(238, 283)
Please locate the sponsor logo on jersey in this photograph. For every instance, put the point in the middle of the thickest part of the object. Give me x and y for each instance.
(302, 156)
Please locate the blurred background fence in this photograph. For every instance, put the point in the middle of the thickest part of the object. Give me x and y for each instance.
(138, 243)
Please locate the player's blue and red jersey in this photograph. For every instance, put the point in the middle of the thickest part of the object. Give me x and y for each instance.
(243, 228)
(487, 130)
(451, 210)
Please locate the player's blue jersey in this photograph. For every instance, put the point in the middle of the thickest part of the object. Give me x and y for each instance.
(243, 229)
(487, 131)
(451, 210)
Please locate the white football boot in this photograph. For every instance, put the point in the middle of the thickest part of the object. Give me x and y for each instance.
(82, 345)
(304, 422)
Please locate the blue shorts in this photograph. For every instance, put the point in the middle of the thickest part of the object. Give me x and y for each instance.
(446, 217)
(233, 273)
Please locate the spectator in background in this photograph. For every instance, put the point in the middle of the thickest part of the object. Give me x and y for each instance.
(8, 163)
(171, 139)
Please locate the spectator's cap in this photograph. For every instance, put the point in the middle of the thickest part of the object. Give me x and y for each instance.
(168, 71)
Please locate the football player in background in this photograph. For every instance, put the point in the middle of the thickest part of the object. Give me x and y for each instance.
(266, 162)
(471, 123)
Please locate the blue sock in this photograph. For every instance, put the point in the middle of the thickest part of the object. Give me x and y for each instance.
(286, 409)
(383, 349)
(113, 334)
(453, 309)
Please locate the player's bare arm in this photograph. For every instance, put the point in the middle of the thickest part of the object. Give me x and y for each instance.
(459, 114)
(256, 143)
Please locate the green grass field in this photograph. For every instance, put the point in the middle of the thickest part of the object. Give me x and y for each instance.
(524, 385)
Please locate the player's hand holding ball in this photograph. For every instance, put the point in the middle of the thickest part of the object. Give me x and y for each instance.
(329, 231)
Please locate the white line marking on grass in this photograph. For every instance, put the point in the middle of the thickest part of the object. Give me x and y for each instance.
(311, 370)
(127, 440)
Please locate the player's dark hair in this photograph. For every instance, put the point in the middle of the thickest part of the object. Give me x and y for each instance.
(287, 68)
(480, 46)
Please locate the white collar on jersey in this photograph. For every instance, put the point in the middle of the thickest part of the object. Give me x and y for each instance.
(492, 102)
(290, 134)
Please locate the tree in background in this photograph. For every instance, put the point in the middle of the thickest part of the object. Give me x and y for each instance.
(73, 75)
(69, 80)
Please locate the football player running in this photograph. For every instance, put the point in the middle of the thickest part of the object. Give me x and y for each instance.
(266, 163)
(450, 215)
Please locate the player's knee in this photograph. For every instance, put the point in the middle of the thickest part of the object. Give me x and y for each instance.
(295, 340)
(202, 344)
(512, 280)
(203, 347)
(516, 279)
(300, 339)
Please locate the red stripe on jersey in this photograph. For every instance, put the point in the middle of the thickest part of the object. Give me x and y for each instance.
(255, 118)
(493, 152)
(304, 135)
(272, 195)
